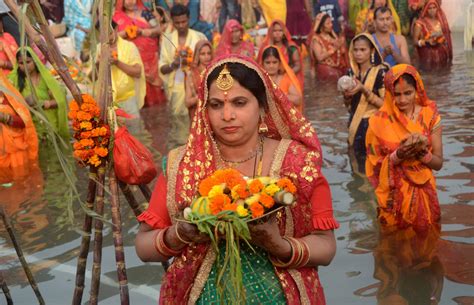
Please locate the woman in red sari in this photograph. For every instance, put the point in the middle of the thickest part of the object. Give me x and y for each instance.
(328, 51)
(139, 25)
(279, 36)
(403, 147)
(432, 37)
(232, 42)
(249, 118)
(8, 48)
(202, 57)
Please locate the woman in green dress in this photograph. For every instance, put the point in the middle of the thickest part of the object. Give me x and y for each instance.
(51, 97)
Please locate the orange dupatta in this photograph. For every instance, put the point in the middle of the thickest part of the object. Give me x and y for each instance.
(289, 77)
(406, 192)
(18, 146)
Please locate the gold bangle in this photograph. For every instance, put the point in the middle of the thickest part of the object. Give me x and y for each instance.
(176, 231)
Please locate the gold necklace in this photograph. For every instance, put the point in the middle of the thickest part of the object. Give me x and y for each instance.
(232, 163)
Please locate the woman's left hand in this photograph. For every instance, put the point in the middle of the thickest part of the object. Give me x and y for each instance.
(267, 236)
(357, 88)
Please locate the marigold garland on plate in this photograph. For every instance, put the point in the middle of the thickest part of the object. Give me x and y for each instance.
(227, 202)
(91, 134)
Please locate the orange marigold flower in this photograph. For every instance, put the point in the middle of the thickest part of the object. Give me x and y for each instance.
(101, 151)
(76, 126)
(266, 200)
(86, 134)
(72, 115)
(86, 142)
(94, 160)
(103, 131)
(242, 191)
(206, 185)
(256, 209)
(230, 207)
(286, 184)
(84, 116)
(255, 186)
(218, 203)
(73, 106)
(77, 145)
(86, 98)
(86, 125)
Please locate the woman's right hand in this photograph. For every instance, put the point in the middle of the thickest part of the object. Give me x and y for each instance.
(189, 233)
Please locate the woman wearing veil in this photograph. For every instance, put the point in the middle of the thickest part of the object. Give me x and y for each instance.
(366, 95)
(241, 119)
(404, 146)
(232, 41)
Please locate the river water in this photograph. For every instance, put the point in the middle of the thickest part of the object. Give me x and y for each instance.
(366, 270)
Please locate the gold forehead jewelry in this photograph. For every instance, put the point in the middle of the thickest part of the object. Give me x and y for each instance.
(224, 81)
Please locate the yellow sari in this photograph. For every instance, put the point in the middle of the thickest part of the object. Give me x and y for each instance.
(273, 10)
(406, 192)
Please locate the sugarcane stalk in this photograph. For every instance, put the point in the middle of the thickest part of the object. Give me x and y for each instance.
(118, 240)
(98, 226)
(21, 257)
(86, 237)
(145, 191)
(5, 290)
(132, 202)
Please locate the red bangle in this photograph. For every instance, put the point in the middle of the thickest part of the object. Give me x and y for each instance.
(160, 245)
(299, 255)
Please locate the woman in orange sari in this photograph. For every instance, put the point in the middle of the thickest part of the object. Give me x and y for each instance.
(201, 58)
(279, 36)
(328, 51)
(232, 41)
(281, 74)
(140, 26)
(18, 140)
(404, 146)
(432, 37)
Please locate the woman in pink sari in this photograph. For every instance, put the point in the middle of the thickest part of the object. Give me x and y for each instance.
(232, 41)
(432, 37)
(139, 25)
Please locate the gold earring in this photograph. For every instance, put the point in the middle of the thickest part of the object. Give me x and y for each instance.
(262, 128)
(372, 58)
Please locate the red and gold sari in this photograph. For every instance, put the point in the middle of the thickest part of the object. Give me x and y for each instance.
(406, 192)
(298, 157)
(18, 146)
(441, 53)
(148, 48)
(287, 50)
(225, 47)
(333, 67)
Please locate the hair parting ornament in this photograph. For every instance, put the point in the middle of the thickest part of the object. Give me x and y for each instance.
(225, 81)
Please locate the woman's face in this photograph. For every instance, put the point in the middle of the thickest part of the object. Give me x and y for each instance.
(234, 118)
(271, 64)
(205, 55)
(405, 96)
(432, 10)
(236, 36)
(361, 51)
(129, 5)
(327, 26)
(27, 65)
(277, 34)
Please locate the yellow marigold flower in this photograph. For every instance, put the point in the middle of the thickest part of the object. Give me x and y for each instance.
(252, 199)
(216, 190)
(241, 211)
(271, 189)
(94, 160)
(86, 125)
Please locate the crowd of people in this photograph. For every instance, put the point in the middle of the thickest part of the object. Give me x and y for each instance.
(181, 54)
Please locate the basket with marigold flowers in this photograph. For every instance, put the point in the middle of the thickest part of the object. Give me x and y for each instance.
(227, 202)
(132, 31)
(91, 134)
